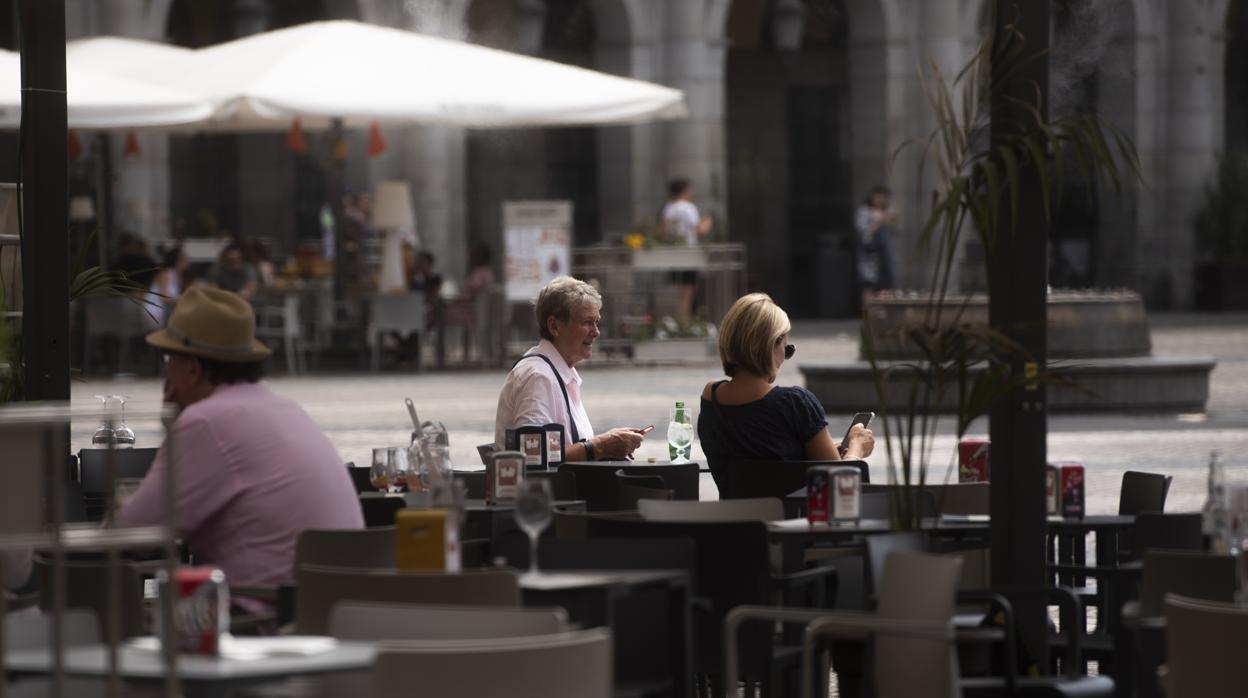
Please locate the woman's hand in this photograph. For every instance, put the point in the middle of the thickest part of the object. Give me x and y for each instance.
(617, 444)
(861, 443)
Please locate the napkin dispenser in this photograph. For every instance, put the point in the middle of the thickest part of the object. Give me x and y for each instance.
(426, 540)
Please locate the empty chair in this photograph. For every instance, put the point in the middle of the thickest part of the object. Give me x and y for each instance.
(567, 665)
(402, 313)
(1189, 573)
(1204, 648)
(87, 587)
(768, 509)
(33, 631)
(733, 568)
(596, 483)
(741, 479)
(574, 525)
(963, 498)
(912, 630)
(321, 587)
(1141, 492)
(634, 488)
(1193, 574)
(353, 620)
(360, 478)
(93, 464)
(367, 547)
(1169, 531)
(280, 320)
(879, 504)
(380, 511)
(562, 483)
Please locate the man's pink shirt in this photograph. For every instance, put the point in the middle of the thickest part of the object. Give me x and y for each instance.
(252, 472)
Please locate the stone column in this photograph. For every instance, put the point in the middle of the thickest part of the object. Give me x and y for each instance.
(430, 158)
(1194, 67)
(694, 62)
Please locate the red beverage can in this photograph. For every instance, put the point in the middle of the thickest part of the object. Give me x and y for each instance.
(1070, 477)
(201, 608)
(973, 460)
(818, 494)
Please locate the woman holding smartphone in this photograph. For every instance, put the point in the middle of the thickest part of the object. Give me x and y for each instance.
(748, 416)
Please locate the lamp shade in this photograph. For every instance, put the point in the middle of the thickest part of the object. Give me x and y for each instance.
(392, 206)
(81, 208)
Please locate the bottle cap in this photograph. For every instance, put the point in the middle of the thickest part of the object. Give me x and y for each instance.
(680, 404)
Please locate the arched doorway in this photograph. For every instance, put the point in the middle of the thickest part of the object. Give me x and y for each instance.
(788, 137)
(551, 163)
(1237, 77)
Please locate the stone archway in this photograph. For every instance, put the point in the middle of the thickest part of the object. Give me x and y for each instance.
(1236, 78)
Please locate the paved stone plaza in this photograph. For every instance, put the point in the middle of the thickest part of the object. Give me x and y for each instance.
(360, 411)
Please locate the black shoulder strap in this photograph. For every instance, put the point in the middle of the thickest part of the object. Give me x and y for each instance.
(576, 437)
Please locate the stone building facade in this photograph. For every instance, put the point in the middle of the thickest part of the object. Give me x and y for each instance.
(781, 144)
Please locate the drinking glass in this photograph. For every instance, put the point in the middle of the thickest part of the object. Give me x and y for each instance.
(380, 471)
(123, 436)
(436, 465)
(533, 513)
(103, 435)
(680, 434)
(399, 468)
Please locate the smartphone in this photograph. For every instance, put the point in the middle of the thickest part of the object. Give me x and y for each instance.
(863, 418)
(645, 430)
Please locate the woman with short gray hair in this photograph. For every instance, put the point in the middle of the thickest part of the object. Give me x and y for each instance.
(544, 386)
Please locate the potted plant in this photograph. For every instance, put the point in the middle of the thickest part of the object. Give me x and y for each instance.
(977, 186)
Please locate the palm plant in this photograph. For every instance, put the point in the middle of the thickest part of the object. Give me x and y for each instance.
(84, 282)
(977, 185)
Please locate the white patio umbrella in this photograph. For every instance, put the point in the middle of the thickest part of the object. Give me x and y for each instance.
(362, 73)
(100, 98)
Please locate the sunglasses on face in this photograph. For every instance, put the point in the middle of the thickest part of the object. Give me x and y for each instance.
(789, 351)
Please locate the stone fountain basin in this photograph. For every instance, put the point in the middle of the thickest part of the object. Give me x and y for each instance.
(1099, 340)
(1080, 324)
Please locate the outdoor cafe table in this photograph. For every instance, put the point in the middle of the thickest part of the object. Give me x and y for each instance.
(253, 661)
(795, 534)
(602, 598)
(481, 520)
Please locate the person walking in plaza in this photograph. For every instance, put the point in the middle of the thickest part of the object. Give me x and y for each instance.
(876, 225)
(544, 386)
(748, 416)
(252, 469)
(681, 221)
(234, 273)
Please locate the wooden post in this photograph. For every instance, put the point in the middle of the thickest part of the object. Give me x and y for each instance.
(1016, 307)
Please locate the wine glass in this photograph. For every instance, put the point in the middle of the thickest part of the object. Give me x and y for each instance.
(399, 469)
(680, 434)
(380, 471)
(533, 513)
(103, 435)
(123, 436)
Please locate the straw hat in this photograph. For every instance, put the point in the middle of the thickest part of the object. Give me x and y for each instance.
(213, 324)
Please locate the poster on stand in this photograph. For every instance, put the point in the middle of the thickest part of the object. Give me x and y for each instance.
(537, 241)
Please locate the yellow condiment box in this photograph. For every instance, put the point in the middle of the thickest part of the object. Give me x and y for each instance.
(426, 540)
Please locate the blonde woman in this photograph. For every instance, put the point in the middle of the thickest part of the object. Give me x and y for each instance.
(748, 416)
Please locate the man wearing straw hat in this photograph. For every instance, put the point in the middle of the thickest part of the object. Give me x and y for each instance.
(251, 468)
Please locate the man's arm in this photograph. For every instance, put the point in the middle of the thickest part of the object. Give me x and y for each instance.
(202, 483)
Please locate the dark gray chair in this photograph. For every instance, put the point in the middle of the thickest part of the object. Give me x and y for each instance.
(321, 587)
